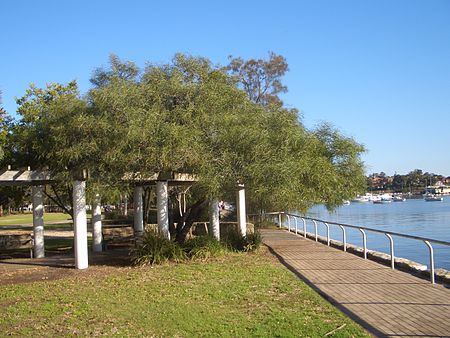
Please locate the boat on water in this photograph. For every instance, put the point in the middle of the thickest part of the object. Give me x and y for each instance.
(382, 200)
(398, 199)
(361, 199)
(433, 198)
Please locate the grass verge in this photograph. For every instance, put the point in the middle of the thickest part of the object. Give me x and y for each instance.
(236, 295)
(27, 218)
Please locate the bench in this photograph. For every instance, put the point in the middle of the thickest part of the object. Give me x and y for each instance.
(14, 242)
(117, 236)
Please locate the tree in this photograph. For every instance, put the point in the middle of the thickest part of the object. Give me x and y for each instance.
(127, 71)
(5, 125)
(261, 79)
(189, 116)
(55, 132)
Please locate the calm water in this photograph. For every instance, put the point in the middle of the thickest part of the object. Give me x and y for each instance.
(414, 217)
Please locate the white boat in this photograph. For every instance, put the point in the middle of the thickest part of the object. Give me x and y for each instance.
(432, 198)
(398, 199)
(368, 197)
(382, 199)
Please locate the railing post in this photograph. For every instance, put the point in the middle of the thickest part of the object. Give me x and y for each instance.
(364, 242)
(391, 244)
(280, 219)
(328, 233)
(431, 261)
(296, 225)
(315, 229)
(344, 237)
(289, 222)
(304, 227)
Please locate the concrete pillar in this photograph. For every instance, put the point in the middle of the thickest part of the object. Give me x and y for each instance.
(80, 224)
(138, 211)
(162, 212)
(97, 239)
(214, 221)
(125, 205)
(242, 215)
(38, 221)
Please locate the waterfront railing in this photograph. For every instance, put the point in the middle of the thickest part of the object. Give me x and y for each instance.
(315, 221)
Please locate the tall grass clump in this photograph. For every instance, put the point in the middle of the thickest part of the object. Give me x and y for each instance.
(236, 241)
(156, 249)
(204, 248)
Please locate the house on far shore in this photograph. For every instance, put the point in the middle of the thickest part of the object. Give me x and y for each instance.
(439, 188)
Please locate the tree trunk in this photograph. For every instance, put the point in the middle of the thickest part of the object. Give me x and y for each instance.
(188, 219)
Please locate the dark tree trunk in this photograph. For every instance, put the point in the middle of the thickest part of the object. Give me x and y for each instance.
(186, 222)
(59, 200)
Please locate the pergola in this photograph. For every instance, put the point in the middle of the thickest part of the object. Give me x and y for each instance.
(37, 179)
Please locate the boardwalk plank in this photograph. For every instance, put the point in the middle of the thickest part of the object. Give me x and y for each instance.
(387, 302)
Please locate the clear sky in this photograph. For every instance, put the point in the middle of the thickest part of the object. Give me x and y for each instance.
(379, 70)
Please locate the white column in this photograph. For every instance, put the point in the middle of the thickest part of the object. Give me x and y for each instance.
(38, 221)
(138, 211)
(125, 205)
(162, 212)
(97, 239)
(242, 215)
(80, 224)
(214, 222)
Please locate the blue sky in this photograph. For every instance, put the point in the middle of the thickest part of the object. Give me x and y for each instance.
(378, 70)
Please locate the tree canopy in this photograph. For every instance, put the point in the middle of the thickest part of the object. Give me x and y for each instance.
(259, 78)
(189, 116)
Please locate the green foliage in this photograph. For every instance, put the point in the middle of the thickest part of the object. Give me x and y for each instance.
(127, 71)
(5, 127)
(261, 79)
(236, 241)
(188, 116)
(204, 248)
(156, 249)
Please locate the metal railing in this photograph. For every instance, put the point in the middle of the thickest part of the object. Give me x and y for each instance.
(389, 234)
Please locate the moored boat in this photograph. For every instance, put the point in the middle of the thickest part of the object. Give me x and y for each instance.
(398, 199)
(433, 198)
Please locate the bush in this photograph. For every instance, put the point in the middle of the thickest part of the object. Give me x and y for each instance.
(236, 241)
(204, 248)
(156, 249)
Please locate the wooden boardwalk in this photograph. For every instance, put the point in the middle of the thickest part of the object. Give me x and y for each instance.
(386, 302)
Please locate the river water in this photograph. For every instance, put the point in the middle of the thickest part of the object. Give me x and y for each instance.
(413, 217)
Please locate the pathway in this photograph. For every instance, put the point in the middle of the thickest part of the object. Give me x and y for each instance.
(386, 302)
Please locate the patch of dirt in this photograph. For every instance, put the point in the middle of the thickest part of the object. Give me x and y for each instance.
(17, 271)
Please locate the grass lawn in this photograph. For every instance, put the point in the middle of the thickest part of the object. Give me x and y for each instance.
(239, 295)
(28, 218)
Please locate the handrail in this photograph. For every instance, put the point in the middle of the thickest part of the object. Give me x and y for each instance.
(370, 229)
(362, 229)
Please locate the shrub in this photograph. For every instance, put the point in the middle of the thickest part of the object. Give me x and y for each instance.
(253, 241)
(204, 248)
(236, 241)
(156, 249)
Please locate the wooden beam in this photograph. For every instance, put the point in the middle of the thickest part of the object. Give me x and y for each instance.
(24, 177)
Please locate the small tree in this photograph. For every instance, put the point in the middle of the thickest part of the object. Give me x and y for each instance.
(261, 79)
